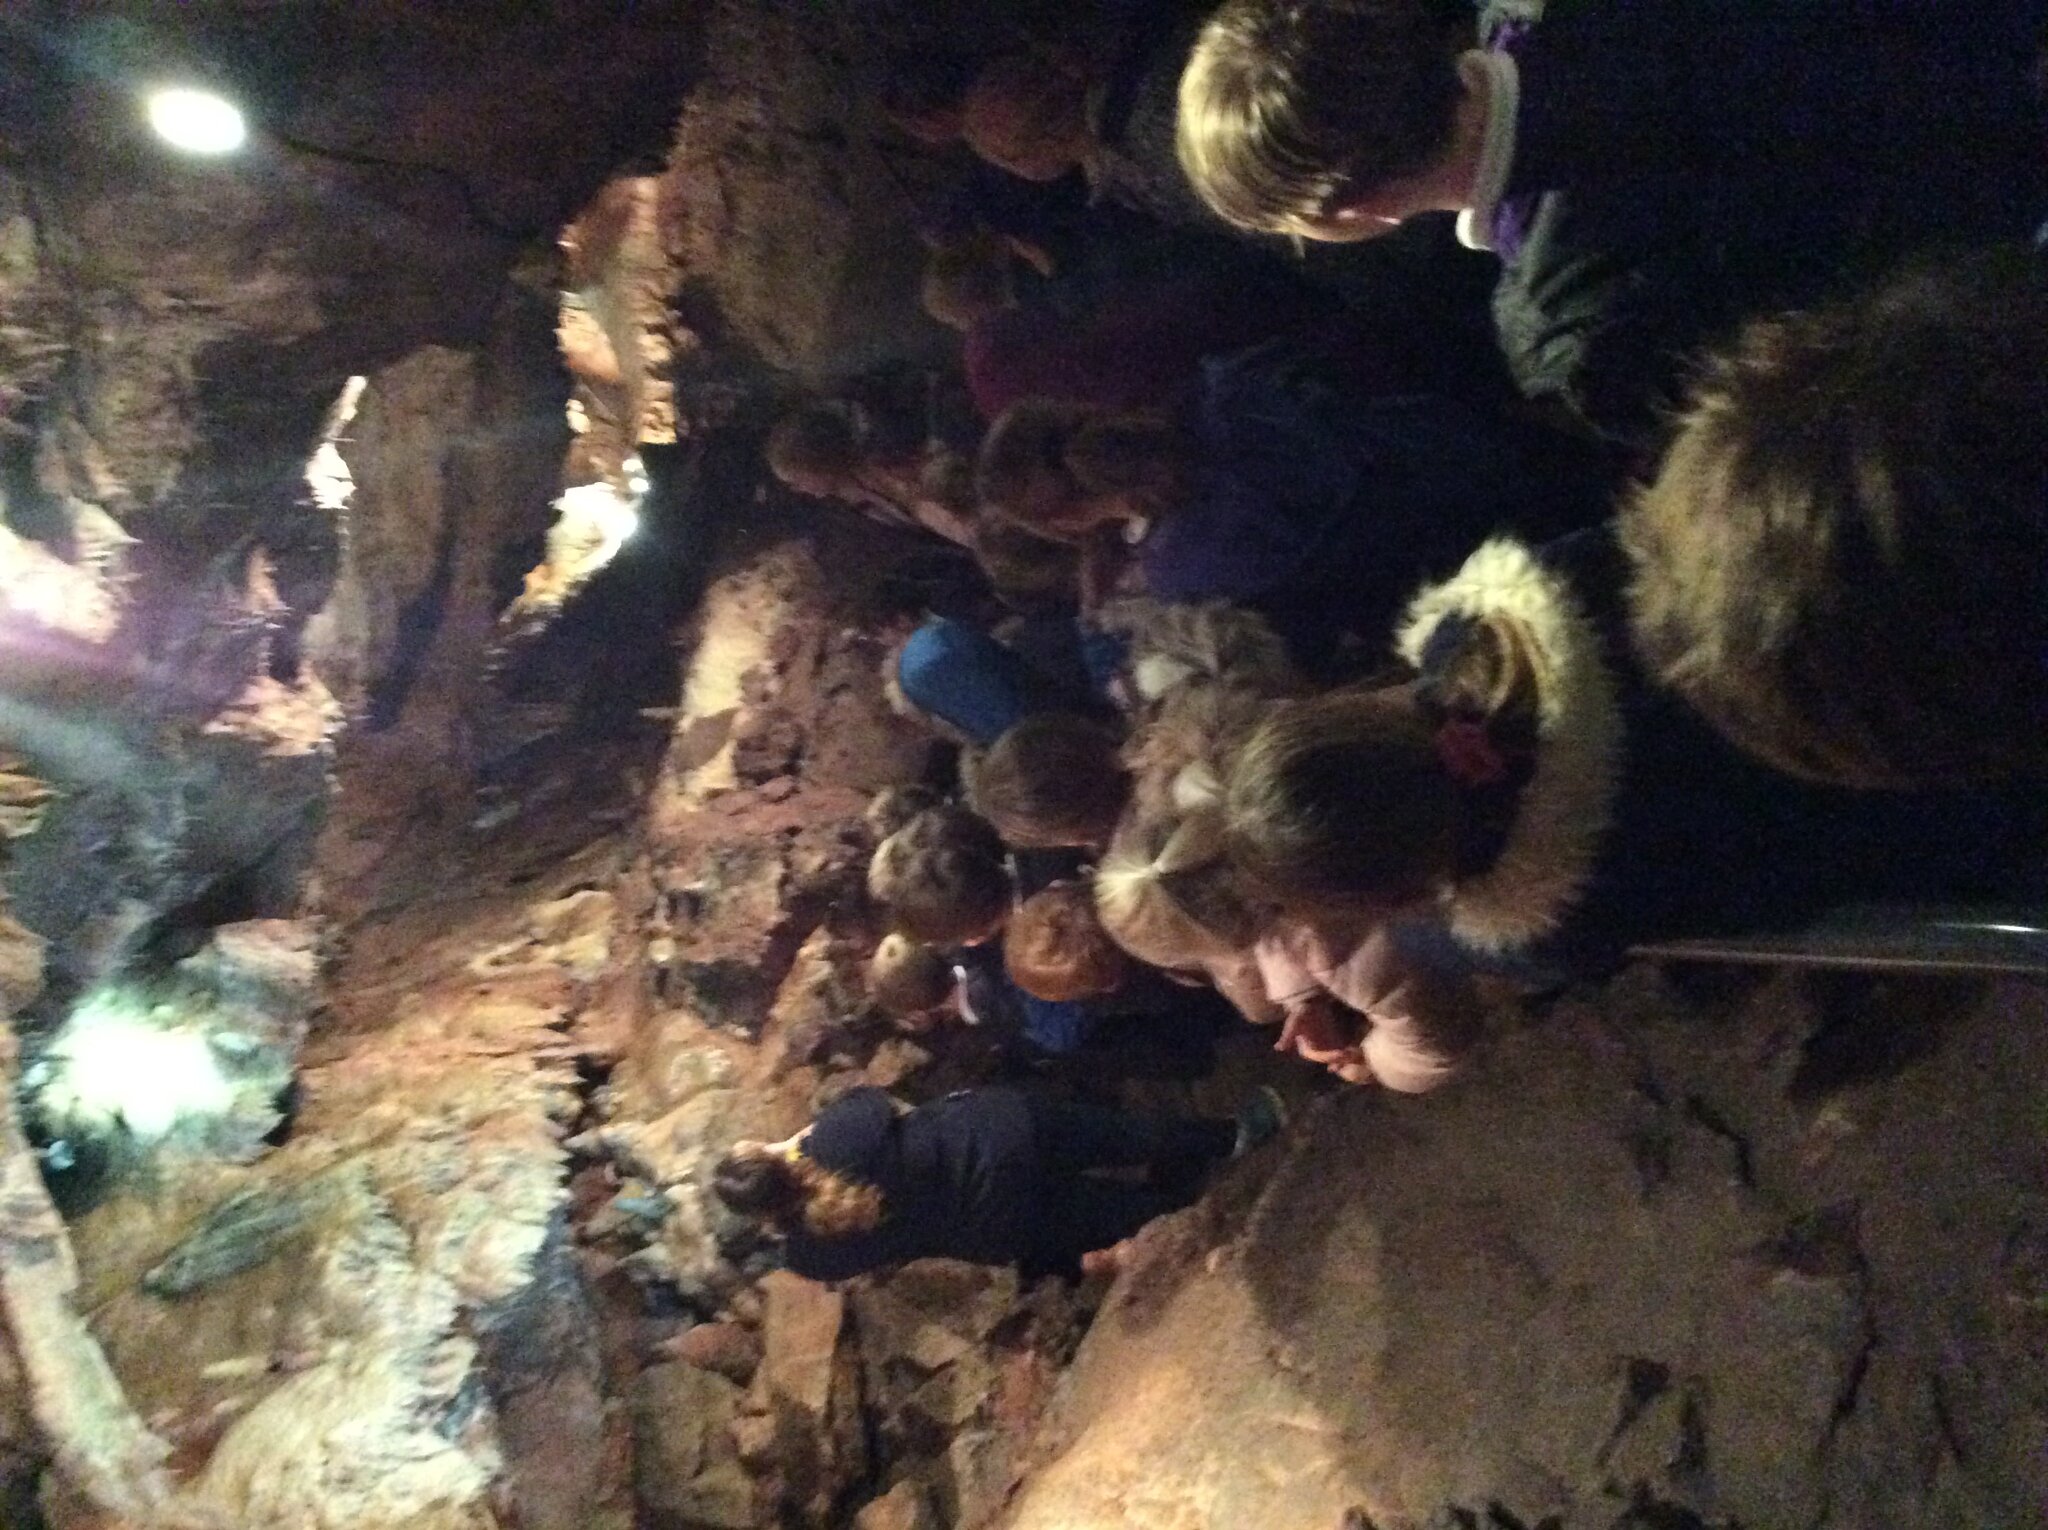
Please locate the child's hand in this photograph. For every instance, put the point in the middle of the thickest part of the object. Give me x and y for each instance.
(1036, 256)
(1354, 1069)
(1316, 1031)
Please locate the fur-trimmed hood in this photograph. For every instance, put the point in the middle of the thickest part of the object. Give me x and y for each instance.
(1567, 805)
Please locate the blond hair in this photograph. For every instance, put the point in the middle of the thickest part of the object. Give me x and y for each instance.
(1288, 106)
(1055, 947)
(944, 877)
(1050, 782)
(1166, 894)
(1843, 563)
(907, 978)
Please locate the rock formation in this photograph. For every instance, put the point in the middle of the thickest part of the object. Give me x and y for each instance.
(432, 763)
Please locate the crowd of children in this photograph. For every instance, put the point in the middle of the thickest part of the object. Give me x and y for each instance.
(1351, 685)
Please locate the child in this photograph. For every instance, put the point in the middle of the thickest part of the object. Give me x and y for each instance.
(838, 449)
(914, 984)
(979, 689)
(944, 877)
(1528, 805)
(924, 988)
(1338, 993)
(1648, 171)
(1165, 895)
(894, 806)
(1027, 113)
(1053, 781)
(1355, 1006)
(1056, 949)
(1286, 488)
(1843, 563)
(948, 883)
(1337, 118)
(993, 1176)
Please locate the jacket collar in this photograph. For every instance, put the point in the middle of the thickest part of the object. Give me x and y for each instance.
(1562, 818)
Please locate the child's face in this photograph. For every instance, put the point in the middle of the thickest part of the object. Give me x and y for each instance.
(940, 1015)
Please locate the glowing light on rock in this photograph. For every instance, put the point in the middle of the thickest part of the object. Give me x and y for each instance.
(118, 1062)
(327, 476)
(596, 521)
(196, 121)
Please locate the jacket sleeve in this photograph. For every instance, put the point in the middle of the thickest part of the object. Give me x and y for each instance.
(1422, 1021)
(817, 1258)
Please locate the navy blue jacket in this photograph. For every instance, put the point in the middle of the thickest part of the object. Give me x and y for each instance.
(1320, 505)
(1683, 165)
(960, 1179)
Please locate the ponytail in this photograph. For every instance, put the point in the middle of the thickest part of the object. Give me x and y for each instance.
(1167, 896)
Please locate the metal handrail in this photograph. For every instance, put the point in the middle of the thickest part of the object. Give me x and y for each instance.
(1886, 937)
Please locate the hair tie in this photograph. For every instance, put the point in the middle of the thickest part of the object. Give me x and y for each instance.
(1469, 754)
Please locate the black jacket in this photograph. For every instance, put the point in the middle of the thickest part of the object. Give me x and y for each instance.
(960, 1179)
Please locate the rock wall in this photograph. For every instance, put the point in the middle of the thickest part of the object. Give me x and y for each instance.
(1770, 1263)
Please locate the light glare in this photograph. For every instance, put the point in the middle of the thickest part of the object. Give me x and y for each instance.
(196, 121)
(121, 1063)
(596, 520)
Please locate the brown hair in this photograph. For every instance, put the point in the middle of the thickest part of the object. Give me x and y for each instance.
(943, 875)
(1180, 756)
(1045, 464)
(968, 279)
(1027, 113)
(1175, 643)
(894, 806)
(1051, 781)
(795, 1192)
(1055, 947)
(1023, 567)
(822, 439)
(1844, 561)
(906, 979)
(1288, 105)
(1342, 800)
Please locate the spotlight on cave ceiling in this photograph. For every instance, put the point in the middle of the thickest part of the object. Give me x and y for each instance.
(196, 121)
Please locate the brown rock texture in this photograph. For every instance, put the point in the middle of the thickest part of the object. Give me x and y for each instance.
(1646, 1255)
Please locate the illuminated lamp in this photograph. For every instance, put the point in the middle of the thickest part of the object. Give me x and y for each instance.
(196, 121)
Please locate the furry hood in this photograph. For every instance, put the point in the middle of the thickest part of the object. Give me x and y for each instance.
(1567, 805)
